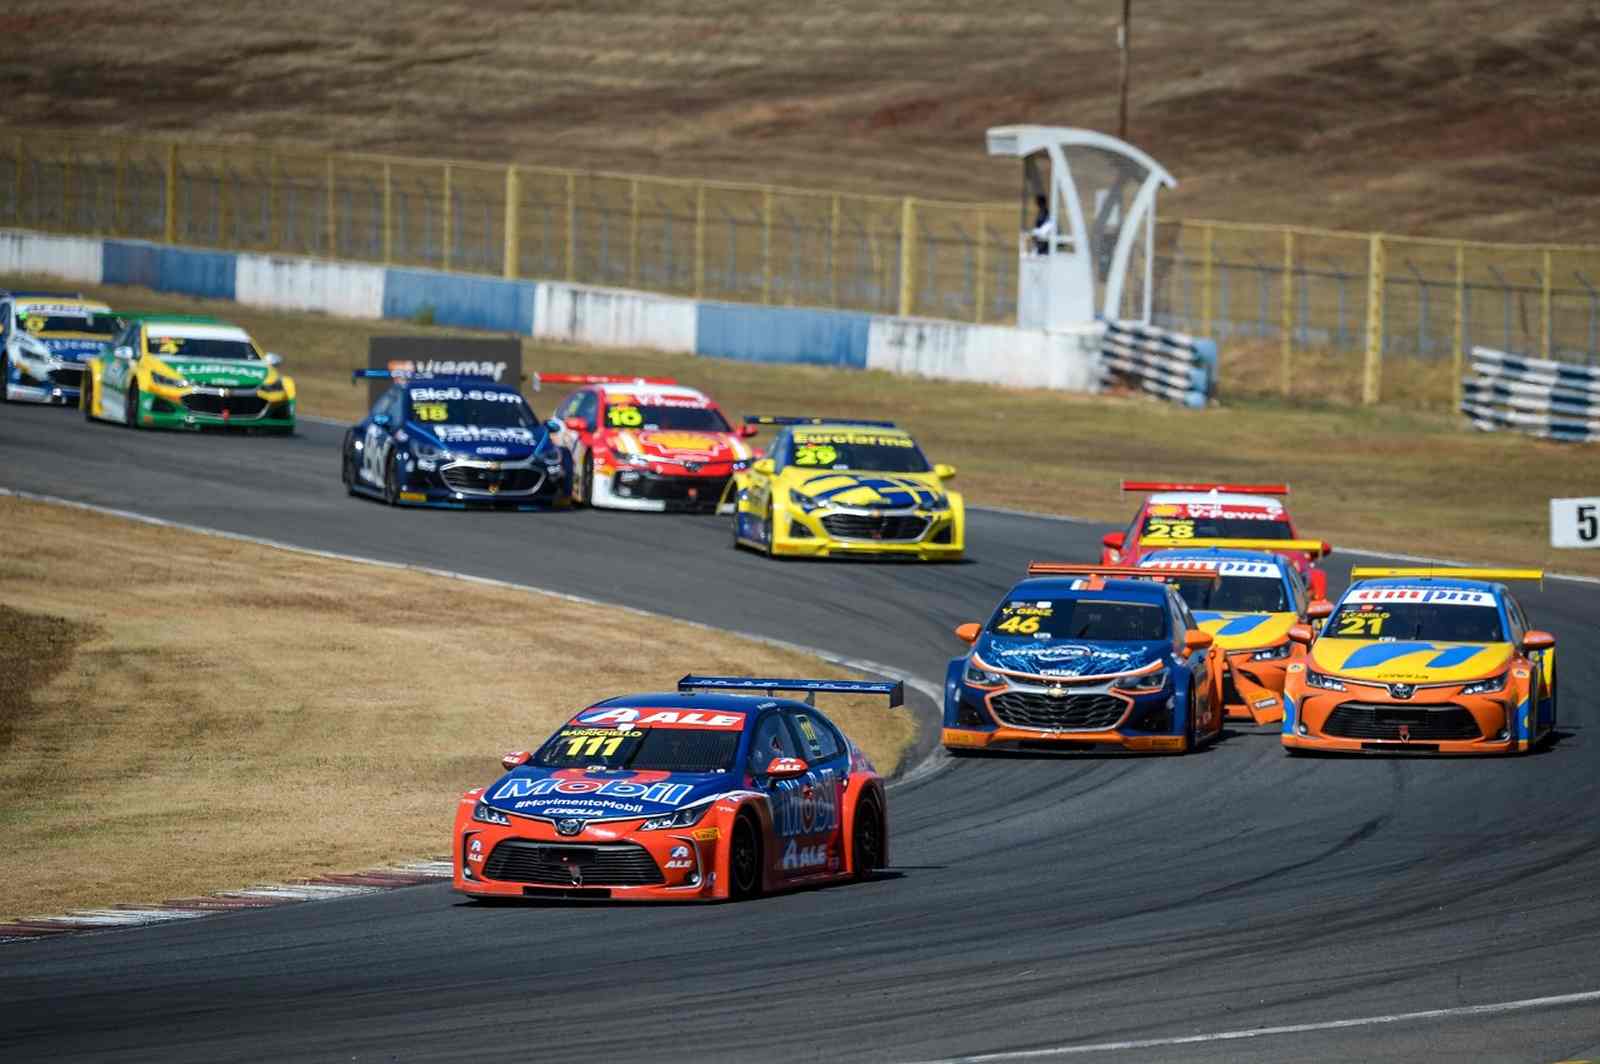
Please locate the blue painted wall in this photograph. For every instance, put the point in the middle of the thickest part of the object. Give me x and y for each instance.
(460, 299)
(211, 274)
(782, 334)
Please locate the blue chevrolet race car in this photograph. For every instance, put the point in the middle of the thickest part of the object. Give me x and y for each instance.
(455, 442)
(1084, 656)
(45, 339)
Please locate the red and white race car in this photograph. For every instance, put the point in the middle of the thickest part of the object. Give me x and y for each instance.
(1215, 515)
(647, 443)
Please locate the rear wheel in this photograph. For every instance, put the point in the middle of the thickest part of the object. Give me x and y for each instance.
(130, 409)
(866, 844)
(744, 860)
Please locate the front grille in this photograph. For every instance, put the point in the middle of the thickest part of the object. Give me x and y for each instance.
(554, 863)
(1076, 712)
(883, 527)
(67, 378)
(239, 404)
(476, 480)
(674, 491)
(1383, 720)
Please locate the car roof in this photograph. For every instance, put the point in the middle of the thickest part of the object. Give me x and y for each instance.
(63, 299)
(1443, 583)
(851, 426)
(37, 293)
(666, 391)
(1066, 587)
(1228, 554)
(157, 328)
(1215, 498)
(711, 700)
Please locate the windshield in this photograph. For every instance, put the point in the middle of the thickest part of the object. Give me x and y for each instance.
(79, 325)
(1081, 619)
(641, 749)
(1238, 594)
(881, 452)
(691, 418)
(1417, 620)
(202, 347)
(471, 406)
(1218, 527)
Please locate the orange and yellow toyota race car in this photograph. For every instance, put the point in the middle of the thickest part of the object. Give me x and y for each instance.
(1423, 661)
(717, 791)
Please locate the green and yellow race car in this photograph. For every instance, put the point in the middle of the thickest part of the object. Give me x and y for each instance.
(846, 488)
(187, 372)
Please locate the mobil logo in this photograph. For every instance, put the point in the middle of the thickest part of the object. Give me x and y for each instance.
(659, 718)
(806, 806)
(663, 791)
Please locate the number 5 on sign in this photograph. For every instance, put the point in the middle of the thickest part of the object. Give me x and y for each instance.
(1575, 522)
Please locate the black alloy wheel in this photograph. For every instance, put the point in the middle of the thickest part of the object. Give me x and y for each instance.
(866, 843)
(744, 861)
(130, 409)
(391, 481)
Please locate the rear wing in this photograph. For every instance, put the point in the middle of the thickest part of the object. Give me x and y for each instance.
(1317, 548)
(1237, 489)
(157, 315)
(1370, 572)
(1123, 572)
(778, 419)
(540, 379)
(895, 690)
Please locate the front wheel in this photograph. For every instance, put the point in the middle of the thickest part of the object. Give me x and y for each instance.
(391, 482)
(744, 861)
(347, 468)
(130, 409)
(866, 844)
(86, 396)
(767, 523)
(5, 375)
(585, 492)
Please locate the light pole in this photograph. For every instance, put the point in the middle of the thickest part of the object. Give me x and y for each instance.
(1123, 43)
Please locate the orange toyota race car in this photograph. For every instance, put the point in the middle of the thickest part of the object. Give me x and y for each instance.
(647, 443)
(716, 791)
(1178, 513)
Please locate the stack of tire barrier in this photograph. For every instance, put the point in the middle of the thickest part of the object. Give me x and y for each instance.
(1552, 400)
(1172, 365)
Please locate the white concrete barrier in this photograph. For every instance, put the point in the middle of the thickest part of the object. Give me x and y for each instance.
(613, 317)
(72, 258)
(993, 354)
(290, 282)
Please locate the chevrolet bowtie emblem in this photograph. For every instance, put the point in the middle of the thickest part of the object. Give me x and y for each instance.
(1056, 691)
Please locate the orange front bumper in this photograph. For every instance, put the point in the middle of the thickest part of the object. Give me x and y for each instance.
(1413, 725)
(1002, 737)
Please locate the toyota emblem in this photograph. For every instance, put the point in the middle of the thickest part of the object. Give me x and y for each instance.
(569, 826)
(1402, 690)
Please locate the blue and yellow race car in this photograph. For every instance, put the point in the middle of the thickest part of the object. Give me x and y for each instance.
(841, 488)
(1084, 656)
(1423, 661)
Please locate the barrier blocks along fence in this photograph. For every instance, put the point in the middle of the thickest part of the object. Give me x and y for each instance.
(1537, 396)
(1173, 365)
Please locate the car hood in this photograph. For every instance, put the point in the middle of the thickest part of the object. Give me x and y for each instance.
(1068, 658)
(486, 442)
(1237, 631)
(605, 795)
(872, 491)
(684, 446)
(1409, 661)
(218, 373)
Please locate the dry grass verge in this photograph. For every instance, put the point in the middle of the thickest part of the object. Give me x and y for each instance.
(1387, 477)
(197, 713)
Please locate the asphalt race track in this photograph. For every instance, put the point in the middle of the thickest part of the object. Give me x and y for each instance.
(1034, 902)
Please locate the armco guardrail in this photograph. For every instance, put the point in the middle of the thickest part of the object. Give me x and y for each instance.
(1173, 365)
(1536, 396)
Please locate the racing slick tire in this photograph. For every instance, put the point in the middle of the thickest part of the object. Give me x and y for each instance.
(130, 408)
(767, 524)
(347, 471)
(391, 481)
(86, 397)
(866, 840)
(744, 860)
(5, 373)
(1191, 729)
(585, 481)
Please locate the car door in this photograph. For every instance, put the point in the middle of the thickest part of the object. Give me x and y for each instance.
(786, 798)
(821, 846)
(377, 439)
(1207, 710)
(119, 370)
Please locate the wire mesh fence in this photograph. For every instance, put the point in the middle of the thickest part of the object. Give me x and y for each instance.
(1299, 312)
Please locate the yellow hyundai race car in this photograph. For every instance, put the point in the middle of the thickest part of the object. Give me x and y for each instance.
(836, 488)
(178, 371)
(1426, 661)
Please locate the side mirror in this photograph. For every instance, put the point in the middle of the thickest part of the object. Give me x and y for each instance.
(766, 467)
(515, 758)
(1195, 639)
(969, 632)
(1112, 540)
(576, 424)
(1319, 610)
(944, 472)
(1302, 634)
(552, 426)
(1534, 639)
(271, 359)
(380, 420)
(1327, 548)
(746, 431)
(124, 353)
(786, 768)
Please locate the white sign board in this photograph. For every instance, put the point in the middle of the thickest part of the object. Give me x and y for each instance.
(1575, 522)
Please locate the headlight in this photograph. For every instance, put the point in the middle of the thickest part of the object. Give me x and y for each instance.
(939, 504)
(802, 500)
(167, 382)
(1271, 653)
(678, 818)
(1141, 681)
(623, 458)
(270, 386)
(982, 677)
(428, 451)
(1484, 687)
(1327, 683)
(487, 814)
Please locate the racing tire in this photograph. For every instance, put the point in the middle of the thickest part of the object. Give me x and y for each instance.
(5, 374)
(766, 521)
(130, 408)
(347, 472)
(86, 396)
(1191, 728)
(866, 840)
(1555, 690)
(744, 860)
(391, 482)
(586, 480)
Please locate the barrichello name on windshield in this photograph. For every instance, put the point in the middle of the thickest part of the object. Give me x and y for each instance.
(448, 368)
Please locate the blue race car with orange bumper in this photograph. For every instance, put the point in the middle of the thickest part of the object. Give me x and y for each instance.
(717, 791)
(1083, 656)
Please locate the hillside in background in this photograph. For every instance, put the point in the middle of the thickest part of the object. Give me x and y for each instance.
(1444, 117)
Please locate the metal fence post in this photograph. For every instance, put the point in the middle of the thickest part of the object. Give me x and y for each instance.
(169, 228)
(1458, 341)
(572, 222)
(699, 240)
(1286, 297)
(833, 253)
(633, 233)
(1208, 253)
(1544, 308)
(388, 212)
(330, 235)
(513, 248)
(448, 220)
(1371, 376)
(981, 281)
(68, 201)
(908, 253)
(119, 188)
(766, 245)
